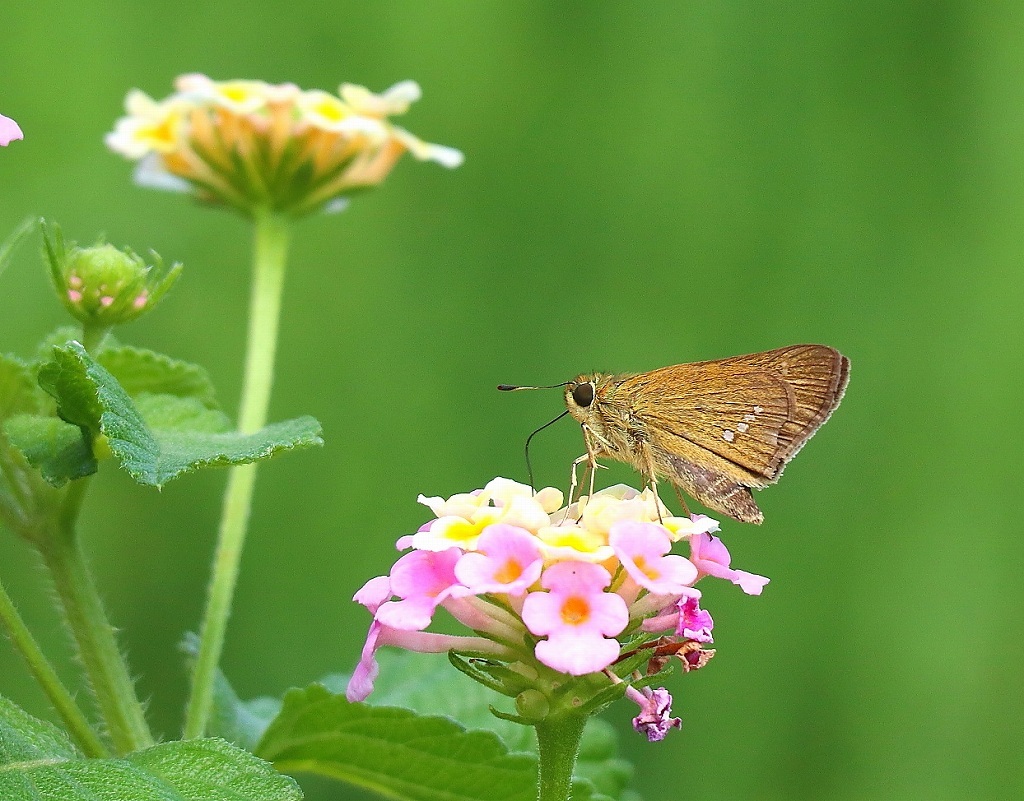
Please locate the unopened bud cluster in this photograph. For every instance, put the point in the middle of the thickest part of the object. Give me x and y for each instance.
(253, 145)
(103, 285)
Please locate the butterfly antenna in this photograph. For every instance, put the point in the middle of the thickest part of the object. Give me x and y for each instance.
(529, 467)
(514, 388)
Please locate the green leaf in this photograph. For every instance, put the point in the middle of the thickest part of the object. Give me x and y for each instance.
(159, 437)
(146, 371)
(425, 683)
(58, 449)
(59, 337)
(18, 391)
(171, 413)
(585, 791)
(38, 763)
(24, 496)
(393, 751)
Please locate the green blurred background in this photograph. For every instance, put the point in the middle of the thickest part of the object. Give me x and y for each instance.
(644, 185)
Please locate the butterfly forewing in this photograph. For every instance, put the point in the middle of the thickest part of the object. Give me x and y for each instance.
(754, 411)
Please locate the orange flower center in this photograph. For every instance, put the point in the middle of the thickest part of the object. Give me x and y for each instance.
(509, 572)
(575, 611)
(643, 567)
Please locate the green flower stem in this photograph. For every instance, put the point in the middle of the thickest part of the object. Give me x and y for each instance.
(93, 336)
(558, 741)
(104, 665)
(271, 249)
(74, 719)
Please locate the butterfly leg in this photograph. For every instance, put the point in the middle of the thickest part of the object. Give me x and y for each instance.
(574, 482)
(590, 458)
(593, 449)
(650, 476)
(679, 495)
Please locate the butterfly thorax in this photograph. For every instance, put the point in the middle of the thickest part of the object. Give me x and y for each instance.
(609, 421)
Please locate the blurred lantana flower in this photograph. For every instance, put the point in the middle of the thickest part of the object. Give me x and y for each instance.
(564, 604)
(258, 146)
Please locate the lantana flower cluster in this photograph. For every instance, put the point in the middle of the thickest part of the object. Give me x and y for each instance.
(254, 145)
(554, 592)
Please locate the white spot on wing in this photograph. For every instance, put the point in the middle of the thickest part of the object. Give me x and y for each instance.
(728, 435)
(758, 409)
(742, 428)
(749, 418)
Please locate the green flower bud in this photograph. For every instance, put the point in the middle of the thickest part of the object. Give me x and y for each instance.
(532, 705)
(103, 286)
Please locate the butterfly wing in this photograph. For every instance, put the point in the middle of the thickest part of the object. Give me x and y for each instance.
(720, 426)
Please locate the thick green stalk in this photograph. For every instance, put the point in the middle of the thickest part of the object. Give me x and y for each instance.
(74, 719)
(104, 665)
(558, 741)
(271, 248)
(93, 336)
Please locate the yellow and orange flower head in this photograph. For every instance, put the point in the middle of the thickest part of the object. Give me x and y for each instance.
(252, 145)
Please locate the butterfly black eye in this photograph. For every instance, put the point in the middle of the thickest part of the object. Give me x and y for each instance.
(583, 394)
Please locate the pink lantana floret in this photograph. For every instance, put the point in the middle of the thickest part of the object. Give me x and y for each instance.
(361, 684)
(642, 549)
(374, 593)
(712, 558)
(9, 131)
(577, 617)
(409, 540)
(507, 560)
(665, 610)
(655, 718)
(422, 580)
(694, 623)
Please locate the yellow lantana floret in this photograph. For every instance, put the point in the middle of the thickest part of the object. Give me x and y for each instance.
(150, 127)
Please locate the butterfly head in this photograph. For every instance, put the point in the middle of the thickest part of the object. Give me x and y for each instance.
(582, 396)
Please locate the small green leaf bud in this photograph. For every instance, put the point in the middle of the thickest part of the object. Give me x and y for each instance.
(532, 705)
(102, 285)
